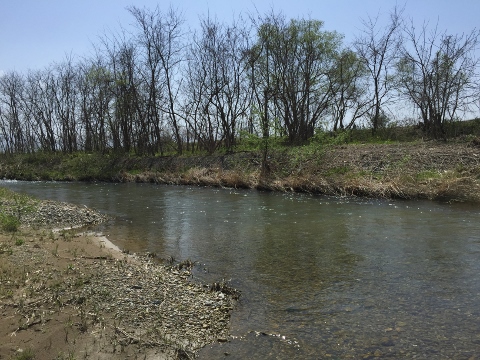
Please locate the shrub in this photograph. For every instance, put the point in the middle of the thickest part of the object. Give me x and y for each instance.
(9, 223)
(27, 354)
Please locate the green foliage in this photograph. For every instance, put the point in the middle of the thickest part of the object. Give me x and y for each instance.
(6, 194)
(332, 138)
(428, 175)
(383, 120)
(248, 142)
(289, 61)
(17, 206)
(111, 167)
(252, 142)
(390, 133)
(339, 170)
(9, 223)
(301, 157)
(42, 158)
(79, 166)
(27, 354)
(470, 128)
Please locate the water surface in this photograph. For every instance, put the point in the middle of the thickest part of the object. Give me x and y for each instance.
(320, 277)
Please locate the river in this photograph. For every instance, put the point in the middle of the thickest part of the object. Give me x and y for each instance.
(320, 277)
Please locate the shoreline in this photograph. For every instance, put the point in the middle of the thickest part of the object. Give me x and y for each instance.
(417, 170)
(103, 242)
(77, 295)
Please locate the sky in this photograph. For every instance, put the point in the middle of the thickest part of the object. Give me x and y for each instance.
(37, 33)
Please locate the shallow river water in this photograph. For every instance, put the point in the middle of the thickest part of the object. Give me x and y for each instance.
(320, 277)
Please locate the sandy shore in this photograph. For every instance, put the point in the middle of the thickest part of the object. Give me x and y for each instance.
(73, 294)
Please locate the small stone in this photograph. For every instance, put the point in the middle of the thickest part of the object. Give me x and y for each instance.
(387, 342)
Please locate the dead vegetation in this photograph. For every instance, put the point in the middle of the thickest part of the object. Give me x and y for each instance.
(69, 295)
(428, 170)
(409, 170)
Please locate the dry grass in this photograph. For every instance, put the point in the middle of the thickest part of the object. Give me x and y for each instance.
(430, 170)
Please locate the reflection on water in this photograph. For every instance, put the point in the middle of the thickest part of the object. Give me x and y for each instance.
(320, 277)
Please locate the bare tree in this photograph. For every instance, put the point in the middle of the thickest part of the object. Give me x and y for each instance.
(378, 47)
(120, 55)
(201, 85)
(39, 105)
(438, 74)
(95, 97)
(64, 89)
(161, 38)
(12, 127)
(260, 63)
(217, 87)
(149, 38)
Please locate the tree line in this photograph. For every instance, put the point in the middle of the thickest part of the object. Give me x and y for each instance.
(156, 87)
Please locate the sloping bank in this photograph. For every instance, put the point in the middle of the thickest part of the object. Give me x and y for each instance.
(428, 170)
(65, 295)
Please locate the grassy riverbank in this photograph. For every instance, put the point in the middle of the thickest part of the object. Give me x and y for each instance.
(70, 294)
(447, 171)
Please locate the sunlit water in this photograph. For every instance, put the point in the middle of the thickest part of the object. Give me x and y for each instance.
(320, 277)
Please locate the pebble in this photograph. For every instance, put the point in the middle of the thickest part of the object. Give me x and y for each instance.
(58, 214)
(184, 312)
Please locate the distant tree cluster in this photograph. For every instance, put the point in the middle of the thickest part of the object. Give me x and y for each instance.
(157, 88)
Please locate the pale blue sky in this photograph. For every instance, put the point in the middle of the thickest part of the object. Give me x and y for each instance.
(36, 33)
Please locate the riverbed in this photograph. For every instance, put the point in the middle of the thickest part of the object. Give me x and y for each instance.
(320, 276)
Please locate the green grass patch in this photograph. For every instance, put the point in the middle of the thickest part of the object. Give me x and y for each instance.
(428, 175)
(79, 166)
(19, 204)
(339, 170)
(135, 171)
(364, 174)
(9, 223)
(252, 142)
(13, 206)
(27, 354)
(405, 160)
(6, 194)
